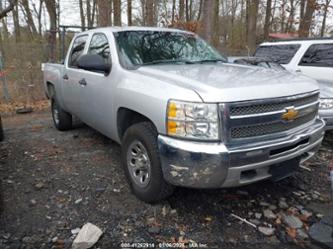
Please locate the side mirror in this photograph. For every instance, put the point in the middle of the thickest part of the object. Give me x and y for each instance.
(93, 62)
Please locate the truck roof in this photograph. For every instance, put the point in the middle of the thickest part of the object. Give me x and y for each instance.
(299, 41)
(133, 28)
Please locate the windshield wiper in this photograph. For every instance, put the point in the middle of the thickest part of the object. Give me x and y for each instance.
(210, 61)
(167, 62)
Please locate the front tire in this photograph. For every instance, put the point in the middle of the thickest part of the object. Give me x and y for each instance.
(141, 162)
(62, 120)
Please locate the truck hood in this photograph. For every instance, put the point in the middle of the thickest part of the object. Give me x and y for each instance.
(230, 82)
(326, 88)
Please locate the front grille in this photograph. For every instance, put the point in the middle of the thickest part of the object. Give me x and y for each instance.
(264, 117)
(269, 128)
(269, 107)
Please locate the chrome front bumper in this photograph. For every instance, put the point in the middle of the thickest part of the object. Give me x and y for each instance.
(327, 115)
(215, 165)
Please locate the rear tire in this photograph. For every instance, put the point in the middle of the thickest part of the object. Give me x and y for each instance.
(62, 120)
(142, 165)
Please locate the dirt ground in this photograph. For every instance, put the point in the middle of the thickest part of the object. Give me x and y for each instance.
(54, 182)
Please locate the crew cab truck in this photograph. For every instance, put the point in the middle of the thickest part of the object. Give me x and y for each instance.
(312, 57)
(183, 115)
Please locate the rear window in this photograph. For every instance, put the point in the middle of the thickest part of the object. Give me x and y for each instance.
(281, 54)
(318, 55)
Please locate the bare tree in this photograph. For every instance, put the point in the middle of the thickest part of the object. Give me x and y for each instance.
(4, 23)
(267, 18)
(38, 14)
(207, 20)
(117, 12)
(150, 20)
(16, 20)
(181, 10)
(252, 12)
(8, 9)
(305, 24)
(302, 9)
(323, 24)
(30, 20)
(82, 15)
(129, 12)
(216, 30)
(104, 13)
(52, 11)
(173, 11)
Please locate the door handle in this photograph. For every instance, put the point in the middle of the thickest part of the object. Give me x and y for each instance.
(298, 70)
(83, 82)
(65, 77)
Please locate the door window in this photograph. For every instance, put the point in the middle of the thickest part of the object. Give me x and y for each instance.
(281, 54)
(318, 55)
(99, 45)
(77, 50)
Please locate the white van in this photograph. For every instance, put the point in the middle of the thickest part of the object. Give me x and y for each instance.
(311, 57)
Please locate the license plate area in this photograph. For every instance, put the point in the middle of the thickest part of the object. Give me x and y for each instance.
(285, 169)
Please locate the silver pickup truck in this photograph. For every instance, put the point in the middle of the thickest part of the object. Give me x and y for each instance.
(182, 114)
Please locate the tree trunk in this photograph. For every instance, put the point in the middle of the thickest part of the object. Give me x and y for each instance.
(117, 12)
(207, 20)
(150, 13)
(302, 8)
(200, 10)
(252, 6)
(181, 10)
(4, 24)
(267, 19)
(16, 21)
(216, 26)
(291, 18)
(104, 13)
(173, 12)
(30, 20)
(39, 15)
(305, 24)
(82, 16)
(323, 24)
(129, 12)
(51, 9)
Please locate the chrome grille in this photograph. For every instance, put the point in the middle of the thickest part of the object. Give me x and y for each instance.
(264, 117)
(269, 107)
(269, 128)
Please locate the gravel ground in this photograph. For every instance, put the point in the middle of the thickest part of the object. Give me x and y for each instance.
(54, 182)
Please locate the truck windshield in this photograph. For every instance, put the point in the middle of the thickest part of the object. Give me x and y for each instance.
(139, 48)
(281, 54)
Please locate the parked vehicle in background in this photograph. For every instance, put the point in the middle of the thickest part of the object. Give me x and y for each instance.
(182, 114)
(1, 130)
(311, 57)
(256, 61)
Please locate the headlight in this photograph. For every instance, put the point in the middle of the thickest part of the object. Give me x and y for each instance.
(326, 104)
(192, 120)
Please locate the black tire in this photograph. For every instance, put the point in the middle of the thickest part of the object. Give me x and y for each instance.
(62, 120)
(157, 188)
(1, 131)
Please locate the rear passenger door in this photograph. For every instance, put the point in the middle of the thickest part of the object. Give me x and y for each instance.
(71, 87)
(317, 63)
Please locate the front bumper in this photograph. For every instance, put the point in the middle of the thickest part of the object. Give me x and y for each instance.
(327, 115)
(215, 165)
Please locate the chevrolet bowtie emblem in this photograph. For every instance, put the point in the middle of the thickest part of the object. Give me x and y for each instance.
(290, 114)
